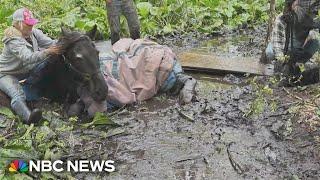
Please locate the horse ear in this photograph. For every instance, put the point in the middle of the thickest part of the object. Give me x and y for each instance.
(64, 30)
(92, 32)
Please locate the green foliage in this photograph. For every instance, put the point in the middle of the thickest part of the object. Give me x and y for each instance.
(52, 139)
(100, 119)
(206, 16)
(7, 112)
(156, 17)
(263, 100)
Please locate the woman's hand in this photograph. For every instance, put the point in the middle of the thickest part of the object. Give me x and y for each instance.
(54, 50)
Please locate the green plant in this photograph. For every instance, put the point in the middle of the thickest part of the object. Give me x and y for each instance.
(156, 17)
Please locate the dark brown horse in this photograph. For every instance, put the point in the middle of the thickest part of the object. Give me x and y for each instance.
(82, 58)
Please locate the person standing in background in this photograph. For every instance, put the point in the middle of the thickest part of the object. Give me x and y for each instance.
(126, 7)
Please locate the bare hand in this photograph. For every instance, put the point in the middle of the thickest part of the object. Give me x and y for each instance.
(54, 50)
(109, 1)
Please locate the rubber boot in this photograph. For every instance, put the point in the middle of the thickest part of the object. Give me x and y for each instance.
(28, 117)
(186, 84)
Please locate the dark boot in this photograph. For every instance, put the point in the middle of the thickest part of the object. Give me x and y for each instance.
(28, 117)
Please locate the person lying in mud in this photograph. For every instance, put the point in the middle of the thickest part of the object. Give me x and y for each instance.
(24, 55)
(135, 71)
(294, 40)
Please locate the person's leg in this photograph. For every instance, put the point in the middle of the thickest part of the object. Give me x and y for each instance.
(31, 86)
(130, 12)
(10, 85)
(181, 83)
(310, 73)
(172, 79)
(187, 93)
(113, 12)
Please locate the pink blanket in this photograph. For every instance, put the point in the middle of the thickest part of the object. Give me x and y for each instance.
(142, 68)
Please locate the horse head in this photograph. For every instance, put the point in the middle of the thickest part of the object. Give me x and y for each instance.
(82, 57)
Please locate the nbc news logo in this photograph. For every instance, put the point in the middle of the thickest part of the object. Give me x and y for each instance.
(59, 166)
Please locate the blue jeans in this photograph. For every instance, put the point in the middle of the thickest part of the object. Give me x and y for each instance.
(172, 78)
(10, 85)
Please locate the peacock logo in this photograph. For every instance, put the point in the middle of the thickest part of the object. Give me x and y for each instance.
(18, 166)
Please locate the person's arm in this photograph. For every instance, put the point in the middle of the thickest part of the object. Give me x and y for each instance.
(19, 49)
(43, 40)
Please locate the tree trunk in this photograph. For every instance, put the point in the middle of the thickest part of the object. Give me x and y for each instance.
(272, 14)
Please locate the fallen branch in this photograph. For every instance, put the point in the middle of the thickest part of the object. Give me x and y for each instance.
(115, 153)
(290, 94)
(279, 114)
(299, 98)
(117, 111)
(193, 157)
(233, 163)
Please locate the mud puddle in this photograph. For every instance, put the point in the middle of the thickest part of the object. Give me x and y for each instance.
(214, 138)
(211, 138)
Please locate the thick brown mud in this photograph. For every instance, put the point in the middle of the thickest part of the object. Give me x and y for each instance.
(214, 137)
(211, 139)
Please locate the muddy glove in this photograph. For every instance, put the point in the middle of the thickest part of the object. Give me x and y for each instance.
(299, 55)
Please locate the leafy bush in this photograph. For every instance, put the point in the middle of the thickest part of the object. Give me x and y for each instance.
(156, 17)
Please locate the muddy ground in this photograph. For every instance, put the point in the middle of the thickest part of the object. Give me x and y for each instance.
(218, 136)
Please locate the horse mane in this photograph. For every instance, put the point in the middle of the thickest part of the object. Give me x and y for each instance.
(69, 38)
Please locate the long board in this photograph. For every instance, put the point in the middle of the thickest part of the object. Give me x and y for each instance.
(215, 64)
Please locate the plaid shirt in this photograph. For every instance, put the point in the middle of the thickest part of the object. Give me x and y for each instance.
(310, 5)
(278, 37)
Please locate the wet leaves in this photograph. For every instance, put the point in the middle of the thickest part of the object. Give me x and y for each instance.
(100, 119)
(56, 137)
(263, 99)
(7, 112)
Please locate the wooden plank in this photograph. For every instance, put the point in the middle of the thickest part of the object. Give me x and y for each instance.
(214, 64)
(210, 63)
